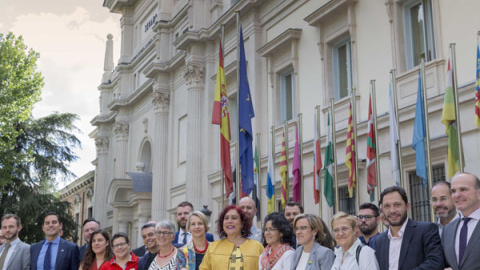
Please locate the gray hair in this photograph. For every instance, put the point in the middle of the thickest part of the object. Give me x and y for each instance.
(166, 224)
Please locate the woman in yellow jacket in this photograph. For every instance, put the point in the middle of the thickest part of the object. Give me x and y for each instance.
(234, 250)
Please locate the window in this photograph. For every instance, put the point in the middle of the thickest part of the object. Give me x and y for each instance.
(420, 195)
(418, 32)
(347, 204)
(287, 96)
(90, 212)
(342, 69)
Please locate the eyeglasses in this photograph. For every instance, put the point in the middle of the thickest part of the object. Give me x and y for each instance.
(271, 230)
(160, 233)
(341, 229)
(366, 217)
(120, 245)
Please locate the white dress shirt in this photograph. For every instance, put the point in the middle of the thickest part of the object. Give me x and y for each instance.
(181, 236)
(471, 226)
(395, 246)
(13, 245)
(441, 226)
(366, 260)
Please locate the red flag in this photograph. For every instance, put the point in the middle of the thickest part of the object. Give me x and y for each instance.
(350, 155)
(371, 155)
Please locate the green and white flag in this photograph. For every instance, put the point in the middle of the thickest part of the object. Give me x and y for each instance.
(328, 166)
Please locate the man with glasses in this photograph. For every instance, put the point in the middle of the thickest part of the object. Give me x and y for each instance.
(368, 220)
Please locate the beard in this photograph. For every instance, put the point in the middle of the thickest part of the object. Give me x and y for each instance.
(368, 230)
(14, 235)
(403, 217)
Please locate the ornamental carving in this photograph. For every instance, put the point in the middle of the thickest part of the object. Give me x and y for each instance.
(194, 74)
(101, 143)
(121, 129)
(161, 100)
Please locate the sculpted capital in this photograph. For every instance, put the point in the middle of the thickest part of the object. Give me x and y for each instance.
(194, 74)
(101, 143)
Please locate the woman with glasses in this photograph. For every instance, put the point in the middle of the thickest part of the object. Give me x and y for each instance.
(197, 225)
(278, 242)
(98, 252)
(168, 257)
(124, 259)
(311, 254)
(351, 253)
(234, 251)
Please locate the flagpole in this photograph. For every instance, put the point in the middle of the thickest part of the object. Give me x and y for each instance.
(300, 144)
(257, 139)
(355, 158)
(319, 186)
(273, 161)
(399, 144)
(334, 146)
(427, 135)
(457, 111)
(222, 36)
(285, 127)
(237, 152)
(377, 156)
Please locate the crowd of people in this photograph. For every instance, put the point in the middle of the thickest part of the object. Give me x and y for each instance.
(292, 240)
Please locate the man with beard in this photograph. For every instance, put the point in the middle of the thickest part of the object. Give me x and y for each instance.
(182, 237)
(292, 209)
(150, 248)
(15, 255)
(442, 204)
(407, 244)
(89, 226)
(368, 219)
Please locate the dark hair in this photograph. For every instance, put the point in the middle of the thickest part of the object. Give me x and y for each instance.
(90, 219)
(370, 206)
(50, 213)
(292, 203)
(281, 224)
(148, 225)
(328, 239)
(247, 223)
(90, 256)
(118, 235)
(185, 203)
(391, 189)
(8, 216)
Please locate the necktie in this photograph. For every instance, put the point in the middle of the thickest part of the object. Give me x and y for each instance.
(46, 262)
(463, 240)
(184, 238)
(4, 255)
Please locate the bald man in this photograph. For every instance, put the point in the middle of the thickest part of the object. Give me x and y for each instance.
(248, 206)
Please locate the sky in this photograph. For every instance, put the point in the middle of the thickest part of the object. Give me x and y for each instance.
(70, 36)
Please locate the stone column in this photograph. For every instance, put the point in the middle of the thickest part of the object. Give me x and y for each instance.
(161, 101)
(195, 81)
(123, 227)
(101, 181)
(121, 148)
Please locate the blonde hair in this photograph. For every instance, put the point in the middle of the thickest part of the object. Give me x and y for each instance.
(201, 216)
(340, 215)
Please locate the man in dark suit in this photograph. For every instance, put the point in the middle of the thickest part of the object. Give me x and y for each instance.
(407, 244)
(89, 226)
(53, 253)
(150, 249)
(461, 237)
(182, 236)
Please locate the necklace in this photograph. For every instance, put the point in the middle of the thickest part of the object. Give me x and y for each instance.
(201, 251)
(161, 256)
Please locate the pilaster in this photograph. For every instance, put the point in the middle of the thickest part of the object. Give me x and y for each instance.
(101, 182)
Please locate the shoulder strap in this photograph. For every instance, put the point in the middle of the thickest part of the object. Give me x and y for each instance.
(359, 249)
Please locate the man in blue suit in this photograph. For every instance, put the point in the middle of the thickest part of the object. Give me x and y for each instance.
(53, 253)
(407, 244)
(182, 236)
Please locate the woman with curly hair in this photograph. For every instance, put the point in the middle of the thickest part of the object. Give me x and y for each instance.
(278, 242)
(234, 251)
(98, 251)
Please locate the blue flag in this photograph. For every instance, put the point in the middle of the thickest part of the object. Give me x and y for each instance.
(245, 114)
(418, 141)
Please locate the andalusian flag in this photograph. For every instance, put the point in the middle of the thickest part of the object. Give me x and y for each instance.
(270, 183)
(371, 155)
(350, 154)
(220, 116)
(284, 173)
(450, 122)
(328, 179)
(477, 87)
(317, 162)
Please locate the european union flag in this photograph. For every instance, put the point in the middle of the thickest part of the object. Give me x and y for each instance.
(419, 132)
(245, 114)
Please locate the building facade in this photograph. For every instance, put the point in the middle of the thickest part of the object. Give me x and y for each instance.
(155, 142)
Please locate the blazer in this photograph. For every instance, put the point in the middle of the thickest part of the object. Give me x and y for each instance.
(145, 261)
(177, 245)
(321, 257)
(20, 258)
(82, 251)
(140, 251)
(421, 248)
(67, 256)
(470, 256)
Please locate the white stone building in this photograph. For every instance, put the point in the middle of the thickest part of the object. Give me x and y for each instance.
(156, 103)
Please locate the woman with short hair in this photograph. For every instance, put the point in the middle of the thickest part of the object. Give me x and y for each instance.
(168, 257)
(124, 259)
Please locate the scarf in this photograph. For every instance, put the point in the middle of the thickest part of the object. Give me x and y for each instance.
(269, 260)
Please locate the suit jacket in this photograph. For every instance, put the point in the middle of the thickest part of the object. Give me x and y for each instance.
(322, 258)
(82, 251)
(140, 251)
(20, 258)
(421, 248)
(67, 256)
(177, 245)
(469, 260)
(145, 261)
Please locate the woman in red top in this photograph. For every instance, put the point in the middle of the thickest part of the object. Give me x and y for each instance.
(98, 251)
(123, 259)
